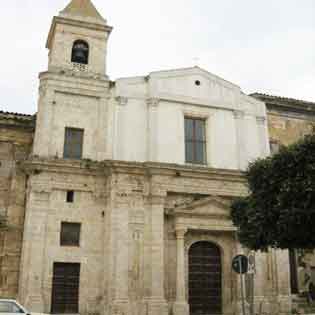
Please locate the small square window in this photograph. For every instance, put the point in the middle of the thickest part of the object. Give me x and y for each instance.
(70, 234)
(70, 196)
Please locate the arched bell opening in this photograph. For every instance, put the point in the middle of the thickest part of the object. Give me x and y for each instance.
(80, 52)
(205, 279)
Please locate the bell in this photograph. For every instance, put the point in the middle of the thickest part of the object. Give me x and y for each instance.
(79, 56)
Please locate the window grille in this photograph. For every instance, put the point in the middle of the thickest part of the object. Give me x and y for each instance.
(70, 234)
(195, 140)
(73, 143)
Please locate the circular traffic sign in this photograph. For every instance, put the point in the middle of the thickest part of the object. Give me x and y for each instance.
(240, 264)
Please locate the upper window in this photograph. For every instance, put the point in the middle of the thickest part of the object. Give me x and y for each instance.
(195, 140)
(80, 52)
(70, 234)
(73, 143)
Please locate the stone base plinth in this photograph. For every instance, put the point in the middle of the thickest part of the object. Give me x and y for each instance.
(181, 308)
(35, 303)
(157, 307)
(120, 307)
(285, 304)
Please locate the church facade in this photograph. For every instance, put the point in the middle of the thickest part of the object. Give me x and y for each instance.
(117, 194)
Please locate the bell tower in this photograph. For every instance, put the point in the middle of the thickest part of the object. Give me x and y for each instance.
(77, 39)
(73, 92)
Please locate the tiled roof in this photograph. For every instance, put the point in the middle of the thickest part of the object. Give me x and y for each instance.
(17, 120)
(285, 104)
(10, 115)
(281, 98)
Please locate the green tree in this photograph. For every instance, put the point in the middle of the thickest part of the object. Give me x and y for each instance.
(279, 211)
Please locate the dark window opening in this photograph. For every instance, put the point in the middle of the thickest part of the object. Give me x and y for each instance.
(70, 196)
(195, 140)
(70, 234)
(73, 143)
(197, 82)
(80, 52)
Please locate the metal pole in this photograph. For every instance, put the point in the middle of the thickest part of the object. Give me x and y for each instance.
(242, 286)
(253, 294)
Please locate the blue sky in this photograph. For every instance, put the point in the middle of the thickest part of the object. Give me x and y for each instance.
(265, 46)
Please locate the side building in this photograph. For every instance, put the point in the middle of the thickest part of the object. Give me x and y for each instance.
(16, 138)
(288, 121)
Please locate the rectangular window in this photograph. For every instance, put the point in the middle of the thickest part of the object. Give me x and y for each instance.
(195, 140)
(70, 234)
(70, 196)
(73, 143)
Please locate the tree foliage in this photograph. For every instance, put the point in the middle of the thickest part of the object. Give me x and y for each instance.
(279, 211)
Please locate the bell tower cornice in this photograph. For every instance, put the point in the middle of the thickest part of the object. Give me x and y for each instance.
(76, 23)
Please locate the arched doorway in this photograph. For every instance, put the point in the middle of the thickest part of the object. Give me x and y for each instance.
(205, 283)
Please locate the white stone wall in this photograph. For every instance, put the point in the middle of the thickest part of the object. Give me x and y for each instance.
(150, 125)
(78, 103)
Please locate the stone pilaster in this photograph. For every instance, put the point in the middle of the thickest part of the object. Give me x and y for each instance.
(120, 243)
(152, 104)
(283, 281)
(120, 125)
(263, 135)
(156, 302)
(181, 306)
(241, 146)
(33, 251)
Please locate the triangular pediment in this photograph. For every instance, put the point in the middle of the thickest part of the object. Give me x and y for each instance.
(195, 86)
(208, 206)
(192, 71)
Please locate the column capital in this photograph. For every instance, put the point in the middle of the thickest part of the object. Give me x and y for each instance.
(261, 120)
(153, 102)
(122, 101)
(156, 199)
(239, 114)
(180, 232)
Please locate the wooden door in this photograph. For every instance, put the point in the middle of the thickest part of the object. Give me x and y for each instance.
(65, 288)
(205, 287)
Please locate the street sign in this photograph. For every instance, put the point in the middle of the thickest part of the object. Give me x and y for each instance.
(240, 264)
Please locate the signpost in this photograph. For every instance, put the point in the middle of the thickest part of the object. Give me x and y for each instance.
(240, 266)
(251, 277)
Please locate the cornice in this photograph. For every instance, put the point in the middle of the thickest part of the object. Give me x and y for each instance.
(108, 167)
(153, 102)
(122, 101)
(36, 165)
(77, 23)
